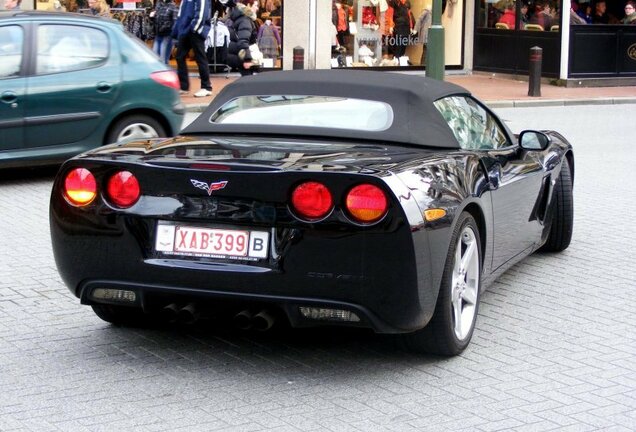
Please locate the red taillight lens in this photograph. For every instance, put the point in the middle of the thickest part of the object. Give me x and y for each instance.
(366, 203)
(80, 188)
(167, 78)
(123, 189)
(311, 200)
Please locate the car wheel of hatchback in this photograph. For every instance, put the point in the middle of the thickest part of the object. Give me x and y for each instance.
(451, 328)
(135, 127)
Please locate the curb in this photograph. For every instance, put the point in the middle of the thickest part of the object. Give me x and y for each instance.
(527, 103)
(196, 108)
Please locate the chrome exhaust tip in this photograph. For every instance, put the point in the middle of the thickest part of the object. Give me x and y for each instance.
(243, 320)
(263, 320)
(188, 314)
(169, 313)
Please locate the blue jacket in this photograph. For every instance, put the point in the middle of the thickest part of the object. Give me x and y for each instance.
(193, 17)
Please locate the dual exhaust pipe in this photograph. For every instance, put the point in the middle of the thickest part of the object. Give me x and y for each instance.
(245, 320)
(262, 321)
(188, 314)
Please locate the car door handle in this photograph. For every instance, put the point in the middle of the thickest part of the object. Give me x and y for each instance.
(104, 87)
(9, 97)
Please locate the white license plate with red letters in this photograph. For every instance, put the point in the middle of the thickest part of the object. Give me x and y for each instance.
(211, 242)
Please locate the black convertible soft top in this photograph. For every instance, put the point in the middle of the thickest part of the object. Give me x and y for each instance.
(416, 120)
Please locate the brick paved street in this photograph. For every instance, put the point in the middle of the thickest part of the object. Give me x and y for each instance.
(554, 347)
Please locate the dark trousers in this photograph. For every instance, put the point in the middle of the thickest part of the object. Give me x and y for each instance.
(184, 44)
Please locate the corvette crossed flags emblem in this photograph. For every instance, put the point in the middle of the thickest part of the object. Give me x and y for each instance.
(209, 188)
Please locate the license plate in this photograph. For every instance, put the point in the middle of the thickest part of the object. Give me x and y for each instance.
(211, 242)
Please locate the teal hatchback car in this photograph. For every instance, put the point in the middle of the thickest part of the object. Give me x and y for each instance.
(70, 83)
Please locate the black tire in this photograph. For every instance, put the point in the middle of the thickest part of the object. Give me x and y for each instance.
(150, 127)
(562, 209)
(439, 336)
(123, 315)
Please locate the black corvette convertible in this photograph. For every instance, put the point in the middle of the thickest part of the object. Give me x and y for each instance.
(352, 198)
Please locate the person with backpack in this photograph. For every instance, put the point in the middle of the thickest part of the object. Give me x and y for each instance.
(164, 15)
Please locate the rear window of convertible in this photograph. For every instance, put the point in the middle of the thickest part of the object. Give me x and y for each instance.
(306, 111)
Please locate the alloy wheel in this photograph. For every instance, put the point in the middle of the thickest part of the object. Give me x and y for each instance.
(137, 131)
(465, 283)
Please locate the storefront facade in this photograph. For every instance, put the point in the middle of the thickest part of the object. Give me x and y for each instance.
(481, 35)
(571, 52)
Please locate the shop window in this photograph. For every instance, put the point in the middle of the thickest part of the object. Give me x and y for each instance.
(64, 48)
(506, 15)
(269, 27)
(266, 40)
(11, 39)
(390, 33)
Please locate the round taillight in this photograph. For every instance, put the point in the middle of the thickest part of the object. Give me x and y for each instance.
(80, 188)
(311, 200)
(123, 189)
(366, 203)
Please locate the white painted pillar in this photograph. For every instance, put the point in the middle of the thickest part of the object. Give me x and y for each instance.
(565, 40)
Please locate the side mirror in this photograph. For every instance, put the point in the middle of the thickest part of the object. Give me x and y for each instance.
(533, 140)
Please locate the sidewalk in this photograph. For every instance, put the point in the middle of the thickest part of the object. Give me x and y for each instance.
(496, 92)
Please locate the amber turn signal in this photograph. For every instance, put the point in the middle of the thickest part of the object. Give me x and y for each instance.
(366, 203)
(433, 214)
(80, 187)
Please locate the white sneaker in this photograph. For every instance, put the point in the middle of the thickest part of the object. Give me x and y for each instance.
(203, 93)
(183, 92)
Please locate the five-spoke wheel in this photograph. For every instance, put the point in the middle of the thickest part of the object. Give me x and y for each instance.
(450, 329)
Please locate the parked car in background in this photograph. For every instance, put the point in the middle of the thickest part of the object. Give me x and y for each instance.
(70, 83)
(350, 198)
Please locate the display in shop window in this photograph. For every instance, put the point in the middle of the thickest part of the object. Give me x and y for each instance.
(388, 33)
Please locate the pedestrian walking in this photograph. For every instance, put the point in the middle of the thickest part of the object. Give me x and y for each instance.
(190, 30)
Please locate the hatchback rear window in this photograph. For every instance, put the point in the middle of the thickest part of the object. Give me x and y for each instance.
(306, 111)
(135, 51)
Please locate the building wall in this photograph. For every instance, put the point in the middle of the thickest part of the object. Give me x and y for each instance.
(295, 30)
(296, 25)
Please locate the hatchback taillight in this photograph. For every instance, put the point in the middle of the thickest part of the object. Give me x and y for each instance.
(311, 200)
(166, 78)
(123, 189)
(80, 188)
(366, 203)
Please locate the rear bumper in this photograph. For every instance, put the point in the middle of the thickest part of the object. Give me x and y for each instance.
(385, 293)
(151, 298)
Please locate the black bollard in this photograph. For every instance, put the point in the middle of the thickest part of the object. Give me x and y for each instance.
(299, 58)
(534, 71)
